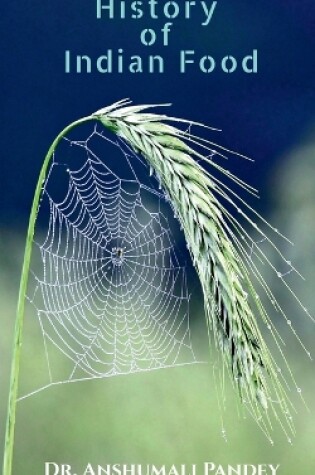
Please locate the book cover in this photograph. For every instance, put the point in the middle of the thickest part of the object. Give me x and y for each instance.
(136, 350)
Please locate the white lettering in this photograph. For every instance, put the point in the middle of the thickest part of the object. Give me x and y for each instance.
(48, 466)
(89, 470)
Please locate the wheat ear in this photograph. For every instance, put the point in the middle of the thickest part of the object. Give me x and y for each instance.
(222, 270)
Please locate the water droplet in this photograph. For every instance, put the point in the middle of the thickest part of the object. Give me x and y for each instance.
(299, 390)
(289, 323)
(224, 434)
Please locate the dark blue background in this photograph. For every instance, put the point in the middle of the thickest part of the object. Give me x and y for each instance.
(261, 115)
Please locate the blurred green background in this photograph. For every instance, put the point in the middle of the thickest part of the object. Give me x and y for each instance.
(168, 416)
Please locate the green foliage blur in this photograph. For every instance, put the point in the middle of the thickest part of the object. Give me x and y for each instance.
(168, 416)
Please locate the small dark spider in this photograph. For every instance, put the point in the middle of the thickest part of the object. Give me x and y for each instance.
(118, 255)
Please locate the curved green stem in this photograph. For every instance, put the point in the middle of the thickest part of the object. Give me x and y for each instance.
(15, 368)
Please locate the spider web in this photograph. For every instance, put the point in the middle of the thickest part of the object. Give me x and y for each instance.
(110, 288)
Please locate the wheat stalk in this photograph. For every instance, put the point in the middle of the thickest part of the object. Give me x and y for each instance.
(218, 245)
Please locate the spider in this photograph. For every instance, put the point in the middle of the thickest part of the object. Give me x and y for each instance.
(118, 255)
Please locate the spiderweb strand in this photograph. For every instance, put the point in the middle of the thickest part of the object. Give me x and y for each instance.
(112, 293)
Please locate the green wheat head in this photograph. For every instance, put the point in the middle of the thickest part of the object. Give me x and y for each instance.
(232, 305)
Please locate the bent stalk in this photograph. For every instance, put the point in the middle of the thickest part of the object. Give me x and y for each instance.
(18, 331)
